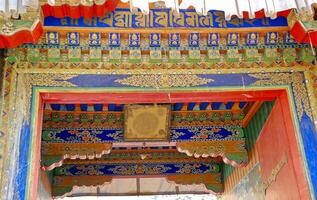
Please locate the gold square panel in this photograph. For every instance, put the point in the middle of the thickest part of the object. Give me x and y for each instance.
(146, 122)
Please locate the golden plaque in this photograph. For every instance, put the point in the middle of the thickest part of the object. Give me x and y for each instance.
(146, 122)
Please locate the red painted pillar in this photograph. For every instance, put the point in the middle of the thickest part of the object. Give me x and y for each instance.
(279, 156)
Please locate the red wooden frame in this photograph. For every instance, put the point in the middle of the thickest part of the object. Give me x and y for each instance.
(174, 97)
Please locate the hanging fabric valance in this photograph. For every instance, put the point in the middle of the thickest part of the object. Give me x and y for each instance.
(77, 9)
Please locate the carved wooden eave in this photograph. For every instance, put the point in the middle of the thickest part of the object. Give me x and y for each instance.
(233, 152)
(303, 27)
(54, 154)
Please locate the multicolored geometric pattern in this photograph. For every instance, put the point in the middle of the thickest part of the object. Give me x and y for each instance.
(137, 169)
(116, 135)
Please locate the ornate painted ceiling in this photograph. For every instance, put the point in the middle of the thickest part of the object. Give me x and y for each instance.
(186, 143)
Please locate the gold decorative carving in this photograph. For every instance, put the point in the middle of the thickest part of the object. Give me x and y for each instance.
(296, 80)
(52, 80)
(42, 79)
(313, 77)
(146, 122)
(144, 156)
(233, 152)
(163, 81)
(303, 15)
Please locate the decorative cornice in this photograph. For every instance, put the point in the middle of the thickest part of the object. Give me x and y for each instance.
(76, 48)
(163, 81)
(296, 80)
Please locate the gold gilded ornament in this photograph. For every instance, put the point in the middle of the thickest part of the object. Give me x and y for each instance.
(164, 81)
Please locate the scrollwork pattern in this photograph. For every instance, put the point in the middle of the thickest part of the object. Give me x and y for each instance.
(296, 80)
(163, 81)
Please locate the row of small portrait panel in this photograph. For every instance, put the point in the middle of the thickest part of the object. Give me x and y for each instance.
(174, 39)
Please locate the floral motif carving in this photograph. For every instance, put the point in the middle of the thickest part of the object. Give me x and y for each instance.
(296, 80)
(163, 81)
(42, 79)
(232, 151)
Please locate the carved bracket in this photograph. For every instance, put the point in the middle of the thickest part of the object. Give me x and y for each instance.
(54, 154)
(233, 152)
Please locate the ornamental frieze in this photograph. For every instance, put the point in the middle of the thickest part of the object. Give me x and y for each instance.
(164, 18)
(164, 81)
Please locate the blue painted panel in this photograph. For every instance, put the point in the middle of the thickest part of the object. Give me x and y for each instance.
(242, 104)
(191, 106)
(136, 169)
(216, 105)
(309, 136)
(229, 105)
(178, 106)
(83, 107)
(87, 80)
(203, 106)
(21, 172)
(64, 135)
(98, 107)
(116, 135)
(160, 18)
(111, 107)
(114, 107)
(119, 108)
(62, 107)
(70, 107)
(55, 106)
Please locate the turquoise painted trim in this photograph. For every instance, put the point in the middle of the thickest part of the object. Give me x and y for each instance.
(34, 108)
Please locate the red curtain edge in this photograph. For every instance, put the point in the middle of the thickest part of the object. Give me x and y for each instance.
(22, 37)
(76, 12)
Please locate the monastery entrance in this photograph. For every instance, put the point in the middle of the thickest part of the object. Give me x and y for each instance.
(167, 142)
(111, 97)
